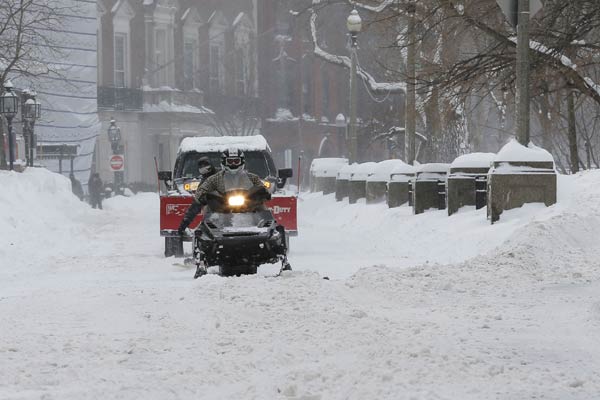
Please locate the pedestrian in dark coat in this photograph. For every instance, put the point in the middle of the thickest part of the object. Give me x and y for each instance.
(76, 187)
(95, 187)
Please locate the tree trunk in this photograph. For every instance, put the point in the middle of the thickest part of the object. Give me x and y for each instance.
(573, 154)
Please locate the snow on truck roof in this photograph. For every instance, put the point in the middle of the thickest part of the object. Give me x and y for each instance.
(211, 144)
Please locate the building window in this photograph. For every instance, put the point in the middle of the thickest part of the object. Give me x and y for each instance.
(216, 65)
(121, 66)
(241, 72)
(189, 63)
(161, 57)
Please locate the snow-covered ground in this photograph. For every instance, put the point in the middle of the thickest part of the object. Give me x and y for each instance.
(417, 307)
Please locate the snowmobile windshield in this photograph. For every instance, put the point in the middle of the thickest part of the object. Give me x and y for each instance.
(257, 162)
(235, 181)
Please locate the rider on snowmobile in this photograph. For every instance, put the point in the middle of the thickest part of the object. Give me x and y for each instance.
(233, 163)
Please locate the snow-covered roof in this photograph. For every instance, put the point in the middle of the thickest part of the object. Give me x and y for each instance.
(383, 170)
(513, 151)
(327, 167)
(474, 160)
(209, 144)
(363, 171)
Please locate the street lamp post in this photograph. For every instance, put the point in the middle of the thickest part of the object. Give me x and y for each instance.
(114, 136)
(354, 25)
(31, 111)
(9, 106)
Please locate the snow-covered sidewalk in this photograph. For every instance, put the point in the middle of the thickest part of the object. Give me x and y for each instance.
(423, 307)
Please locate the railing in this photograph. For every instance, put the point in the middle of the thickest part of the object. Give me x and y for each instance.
(120, 99)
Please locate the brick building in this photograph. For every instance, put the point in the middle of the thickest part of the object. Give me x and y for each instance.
(168, 69)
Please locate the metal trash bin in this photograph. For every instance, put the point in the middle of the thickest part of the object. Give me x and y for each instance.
(467, 181)
(323, 173)
(377, 183)
(357, 188)
(429, 188)
(399, 190)
(520, 175)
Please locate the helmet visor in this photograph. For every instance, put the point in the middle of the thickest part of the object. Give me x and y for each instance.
(233, 162)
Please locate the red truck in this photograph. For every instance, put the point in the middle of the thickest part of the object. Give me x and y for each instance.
(182, 182)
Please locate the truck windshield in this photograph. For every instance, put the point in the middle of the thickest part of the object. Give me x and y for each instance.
(256, 162)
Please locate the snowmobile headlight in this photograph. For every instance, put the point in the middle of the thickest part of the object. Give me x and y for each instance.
(236, 201)
(267, 184)
(191, 187)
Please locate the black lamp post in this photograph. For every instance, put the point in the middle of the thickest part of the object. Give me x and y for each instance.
(9, 106)
(114, 136)
(31, 111)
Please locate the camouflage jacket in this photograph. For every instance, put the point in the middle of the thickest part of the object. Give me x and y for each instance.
(216, 183)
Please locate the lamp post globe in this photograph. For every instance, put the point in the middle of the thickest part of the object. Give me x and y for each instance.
(9, 102)
(354, 23)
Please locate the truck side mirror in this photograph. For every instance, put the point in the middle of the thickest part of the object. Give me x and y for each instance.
(284, 174)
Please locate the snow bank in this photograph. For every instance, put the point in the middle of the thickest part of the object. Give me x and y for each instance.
(363, 171)
(513, 151)
(38, 213)
(474, 160)
(206, 144)
(327, 167)
(383, 171)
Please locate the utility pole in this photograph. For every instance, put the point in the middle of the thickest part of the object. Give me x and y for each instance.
(523, 73)
(411, 90)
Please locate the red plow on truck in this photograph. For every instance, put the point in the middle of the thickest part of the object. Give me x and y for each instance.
(182, 182)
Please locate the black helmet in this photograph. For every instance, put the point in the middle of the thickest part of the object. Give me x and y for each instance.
(233, 160)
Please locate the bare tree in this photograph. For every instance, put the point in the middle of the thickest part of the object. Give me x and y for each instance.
(467, 51)
(29, 37)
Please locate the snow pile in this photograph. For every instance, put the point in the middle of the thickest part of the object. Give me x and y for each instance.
(474, 160)
(166, 107)
(513, 151)
(426, 306)
(384, 169)
(327, 167)
(209, 144)
(37, 213)
(283, 115)
(363, 171)
(346, 172)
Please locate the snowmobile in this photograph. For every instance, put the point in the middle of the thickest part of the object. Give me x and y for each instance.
(238, 233)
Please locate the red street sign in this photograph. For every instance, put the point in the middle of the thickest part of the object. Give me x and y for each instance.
(117, 163)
